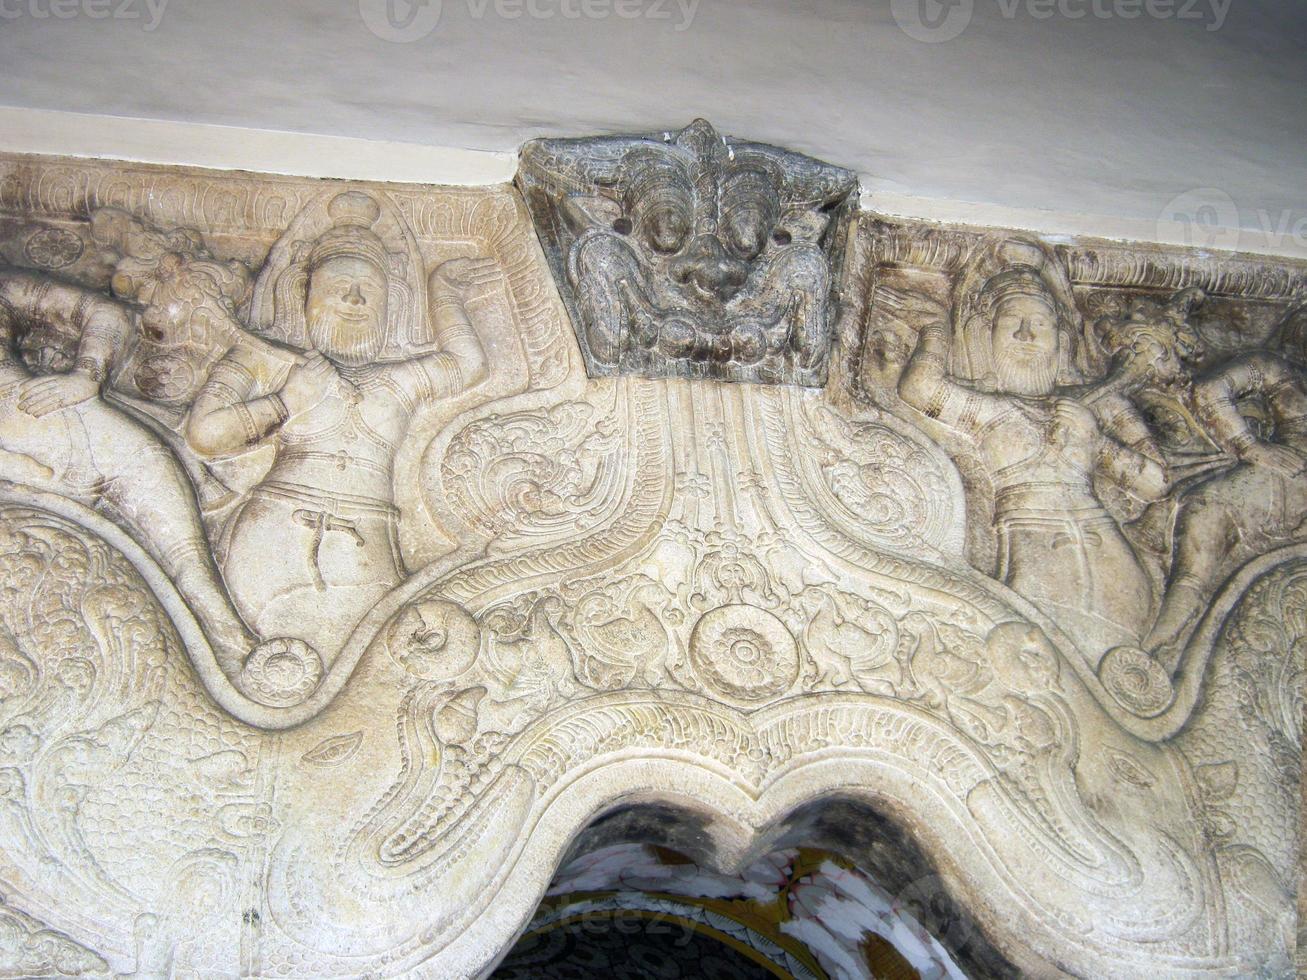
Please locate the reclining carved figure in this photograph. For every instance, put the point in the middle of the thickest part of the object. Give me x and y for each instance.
(1246, 511)
(59, 435)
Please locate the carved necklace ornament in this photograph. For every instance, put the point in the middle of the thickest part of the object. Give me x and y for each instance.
(345, 583)
(692, 255)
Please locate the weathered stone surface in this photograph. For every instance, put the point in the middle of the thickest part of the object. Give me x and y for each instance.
(336, 599)
(692, 255)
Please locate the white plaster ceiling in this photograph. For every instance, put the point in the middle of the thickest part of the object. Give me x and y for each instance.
(1090, 124)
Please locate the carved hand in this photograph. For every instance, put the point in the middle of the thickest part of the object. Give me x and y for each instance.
(459, 277)
(1281, 459)
(41, 396)
(1070, 418)
(308, 383)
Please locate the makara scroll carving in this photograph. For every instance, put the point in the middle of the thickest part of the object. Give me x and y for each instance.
(345, 578)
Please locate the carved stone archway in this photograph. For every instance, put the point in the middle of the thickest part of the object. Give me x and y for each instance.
(361, 545)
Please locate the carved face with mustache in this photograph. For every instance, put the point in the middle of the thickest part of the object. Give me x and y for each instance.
(345, 313)
(1025, 339)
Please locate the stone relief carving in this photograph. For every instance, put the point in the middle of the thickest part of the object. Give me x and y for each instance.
(332, 399)
(1001, 375)
(336, 598)
(691, 254)
(1179, 384)
(28, 949)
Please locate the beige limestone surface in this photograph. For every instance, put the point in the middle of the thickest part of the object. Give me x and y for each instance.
(337, 600)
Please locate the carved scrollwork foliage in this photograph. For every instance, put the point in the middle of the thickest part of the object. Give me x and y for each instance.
(343, 582)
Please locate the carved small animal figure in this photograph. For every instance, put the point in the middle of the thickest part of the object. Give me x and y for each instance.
(946, 662)
(536, 664)
(619, 639)
(851, 640)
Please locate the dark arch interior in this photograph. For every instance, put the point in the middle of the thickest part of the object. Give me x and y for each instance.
(590, 925)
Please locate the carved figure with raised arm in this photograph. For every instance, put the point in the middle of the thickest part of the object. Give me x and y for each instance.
(1004, 376)
(59, 435)
(1259, 505)
(316, 542)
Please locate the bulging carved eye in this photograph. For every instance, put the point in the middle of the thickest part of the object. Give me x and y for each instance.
(660, 201)
(750, 211)
(747, 233)
(667, 229)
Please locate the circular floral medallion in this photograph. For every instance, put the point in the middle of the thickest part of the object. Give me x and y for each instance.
(1136, 680)
(281, 672)
(53, 248)
(744, 653)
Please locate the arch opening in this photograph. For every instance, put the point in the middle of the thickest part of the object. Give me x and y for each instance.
(835, 890)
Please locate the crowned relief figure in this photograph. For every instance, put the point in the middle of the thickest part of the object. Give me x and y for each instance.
(315, 543)
(1008, 375)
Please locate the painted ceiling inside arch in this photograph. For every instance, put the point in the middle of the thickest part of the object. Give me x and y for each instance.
(360, 544)
(632, 911)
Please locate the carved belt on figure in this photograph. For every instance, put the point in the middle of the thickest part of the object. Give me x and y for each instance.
(326, 513)
(320, 523)
(1081, 530)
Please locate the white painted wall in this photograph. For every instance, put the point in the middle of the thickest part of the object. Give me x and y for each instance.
(1093, 124)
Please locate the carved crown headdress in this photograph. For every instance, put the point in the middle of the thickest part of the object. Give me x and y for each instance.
(352, 215)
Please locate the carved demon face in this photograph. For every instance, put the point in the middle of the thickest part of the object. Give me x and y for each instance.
(691, 255)
(704, 248)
